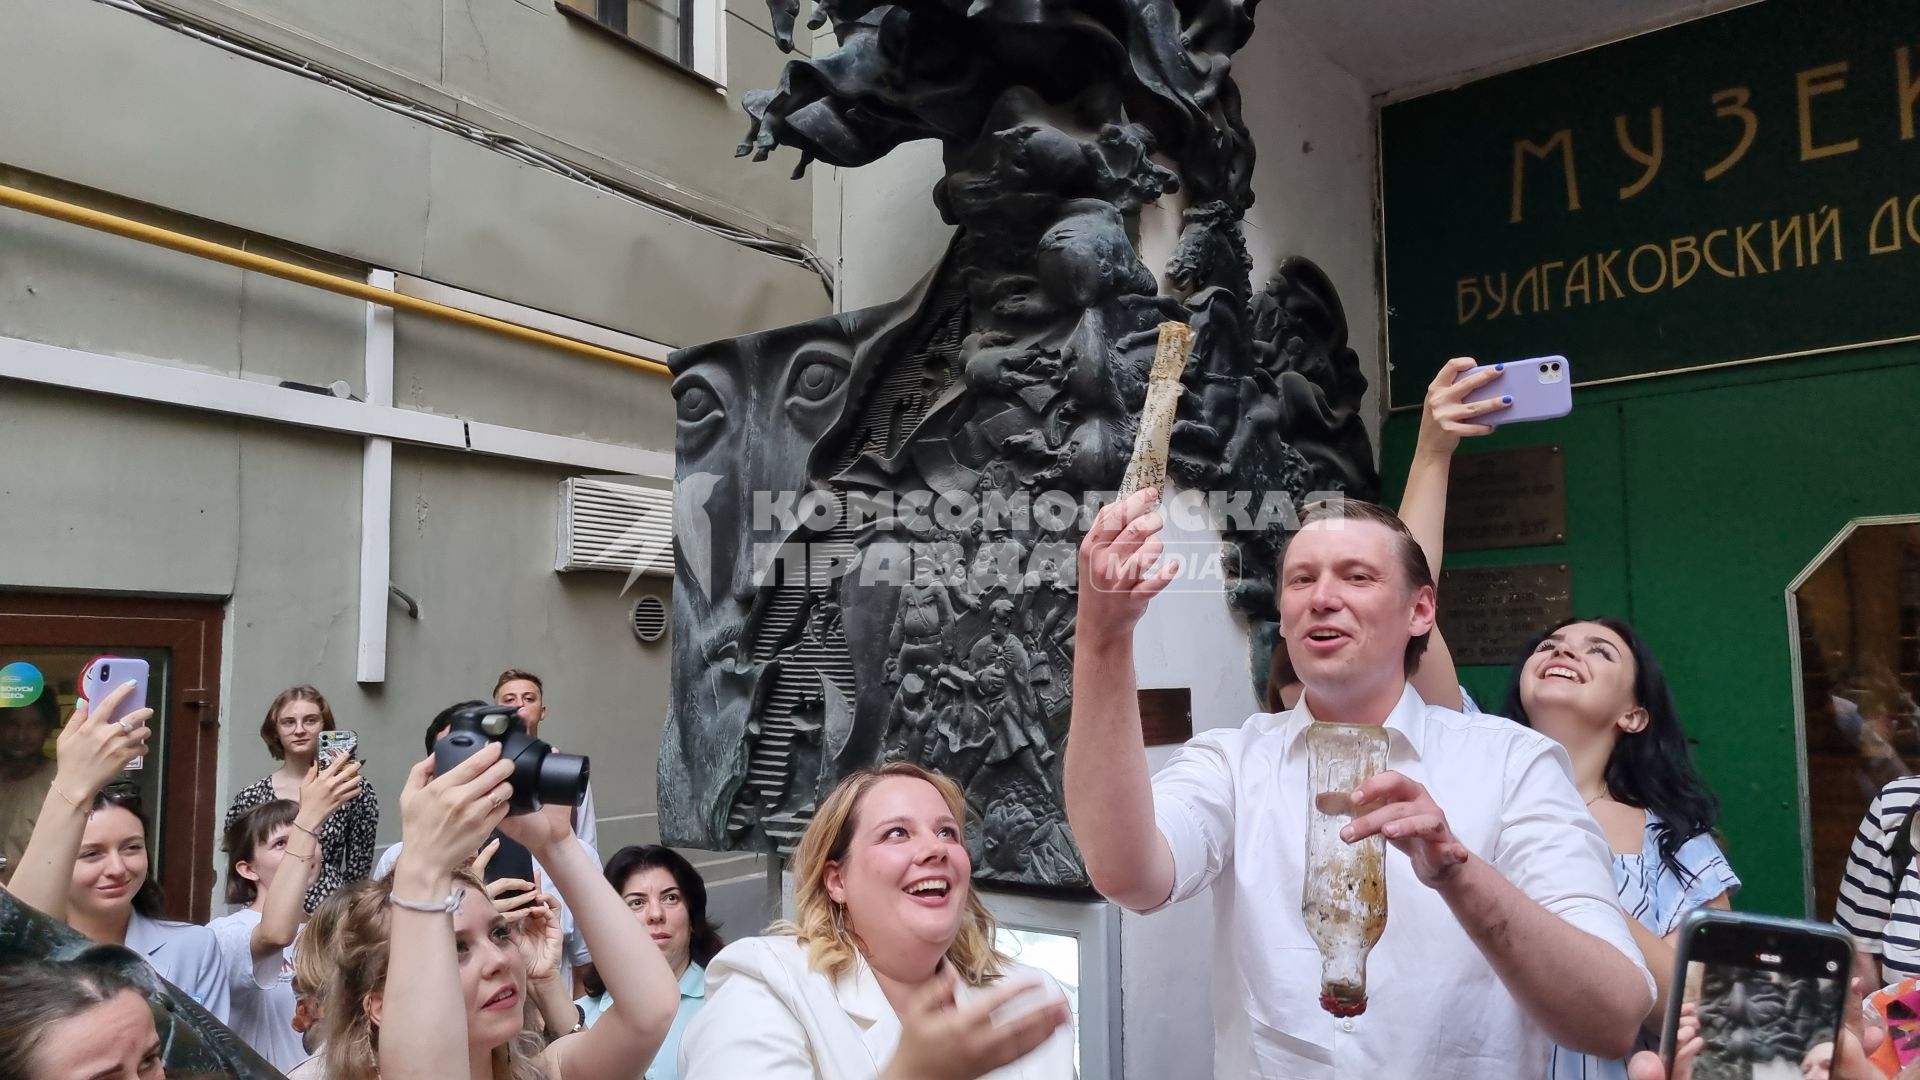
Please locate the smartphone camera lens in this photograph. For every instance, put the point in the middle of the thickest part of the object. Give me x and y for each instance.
(106, 672)
(1833, 966)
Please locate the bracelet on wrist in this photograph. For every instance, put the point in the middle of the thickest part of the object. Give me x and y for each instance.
(64, 797)
(446, 907)
(304, 829)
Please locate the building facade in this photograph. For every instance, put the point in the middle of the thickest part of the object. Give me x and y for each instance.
(510, 157)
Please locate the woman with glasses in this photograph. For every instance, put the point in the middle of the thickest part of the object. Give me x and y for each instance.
(292, 734)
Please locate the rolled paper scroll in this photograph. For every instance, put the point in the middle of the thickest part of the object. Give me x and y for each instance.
(1148, 467)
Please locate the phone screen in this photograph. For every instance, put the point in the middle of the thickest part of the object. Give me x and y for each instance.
(1760, 1016)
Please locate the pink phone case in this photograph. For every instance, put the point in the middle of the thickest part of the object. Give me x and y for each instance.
(1541, 389)
(102, 674)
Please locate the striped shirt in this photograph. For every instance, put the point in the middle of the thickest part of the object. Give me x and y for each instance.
(1879, 901)
(1659, 898)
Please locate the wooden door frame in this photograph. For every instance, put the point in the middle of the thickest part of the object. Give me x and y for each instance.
(191, 630)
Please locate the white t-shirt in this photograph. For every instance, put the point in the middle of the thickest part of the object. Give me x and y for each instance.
(261, 1012)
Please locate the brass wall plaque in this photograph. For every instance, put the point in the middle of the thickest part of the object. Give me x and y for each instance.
(1166, 715)
(1507, 498)
(1488, 612)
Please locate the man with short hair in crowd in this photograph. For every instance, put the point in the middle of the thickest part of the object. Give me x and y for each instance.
(524, 689)
(1503, 932)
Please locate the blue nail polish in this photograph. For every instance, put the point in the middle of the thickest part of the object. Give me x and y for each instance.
(1506, 400)
(1499, 367)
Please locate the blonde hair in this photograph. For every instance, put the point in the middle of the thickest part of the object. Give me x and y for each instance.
(356, 950)
(819, 923)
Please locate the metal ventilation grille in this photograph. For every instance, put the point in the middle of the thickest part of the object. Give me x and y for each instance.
(608, 525)
(649, 619)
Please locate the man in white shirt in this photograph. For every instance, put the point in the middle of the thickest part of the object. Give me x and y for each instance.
(1503, 931)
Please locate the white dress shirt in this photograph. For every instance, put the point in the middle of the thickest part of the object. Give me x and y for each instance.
(770, 1016)
(1232, 804)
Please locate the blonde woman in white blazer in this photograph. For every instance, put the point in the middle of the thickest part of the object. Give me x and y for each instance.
(888, 971)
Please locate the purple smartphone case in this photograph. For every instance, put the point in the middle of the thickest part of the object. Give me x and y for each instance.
(1541, 389)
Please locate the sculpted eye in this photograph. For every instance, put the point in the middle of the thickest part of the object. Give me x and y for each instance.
(816, 380)
(696, 403)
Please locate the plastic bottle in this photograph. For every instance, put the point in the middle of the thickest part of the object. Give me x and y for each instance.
(1344, 897)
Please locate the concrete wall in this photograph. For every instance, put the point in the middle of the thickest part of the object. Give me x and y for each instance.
(1314, 186)
(140, 120)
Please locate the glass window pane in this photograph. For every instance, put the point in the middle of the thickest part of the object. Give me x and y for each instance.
(27, 755)
(654, 25)
(1859, 625)
(1056, 954)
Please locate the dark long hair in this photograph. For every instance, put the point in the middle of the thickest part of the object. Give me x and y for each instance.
(1652, 768)
(123, 794)
(634, 858)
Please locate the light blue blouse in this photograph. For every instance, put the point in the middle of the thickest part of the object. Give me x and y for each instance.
(1652, 893)
(186, 955)
(693, 995)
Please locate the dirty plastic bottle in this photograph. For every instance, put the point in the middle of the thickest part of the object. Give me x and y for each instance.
(1344, 898)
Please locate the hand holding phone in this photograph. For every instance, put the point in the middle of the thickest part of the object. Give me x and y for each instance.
(1759, 996)
(1540, 388)
(94, 747)
(337, 744)
(102, 676)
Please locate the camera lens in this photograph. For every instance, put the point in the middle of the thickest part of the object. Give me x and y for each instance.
(106, 672)
(563, 778)
(1832, 966)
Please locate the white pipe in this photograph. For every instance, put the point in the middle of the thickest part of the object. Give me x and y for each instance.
(168, 384)
(376, 495)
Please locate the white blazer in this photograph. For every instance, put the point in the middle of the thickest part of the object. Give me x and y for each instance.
(186, 955)
(769, 1016)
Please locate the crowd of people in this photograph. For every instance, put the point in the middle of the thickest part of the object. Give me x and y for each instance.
(1548, 853)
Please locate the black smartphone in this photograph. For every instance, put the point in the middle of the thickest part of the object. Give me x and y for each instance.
(1764, 996)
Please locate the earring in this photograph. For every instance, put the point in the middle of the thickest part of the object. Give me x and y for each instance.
(839, 926)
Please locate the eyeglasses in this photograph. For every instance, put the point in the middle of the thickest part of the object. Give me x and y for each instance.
(299, 723)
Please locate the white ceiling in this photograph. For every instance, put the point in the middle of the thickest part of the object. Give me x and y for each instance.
(1405, 47)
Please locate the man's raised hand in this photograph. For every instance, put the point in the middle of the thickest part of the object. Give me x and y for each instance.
(1118, 571)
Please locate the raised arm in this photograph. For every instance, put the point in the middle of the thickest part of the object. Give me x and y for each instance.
(645, 993)
(92, 750)
(1109, 791)
(284, 907)
(443, 820)
(1444, 420)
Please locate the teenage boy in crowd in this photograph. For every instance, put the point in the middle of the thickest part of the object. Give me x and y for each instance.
(524, 688)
